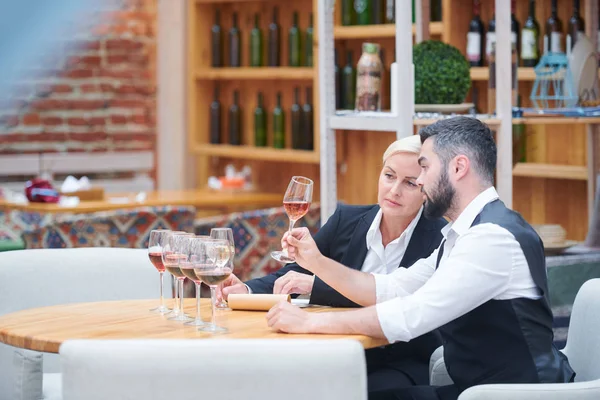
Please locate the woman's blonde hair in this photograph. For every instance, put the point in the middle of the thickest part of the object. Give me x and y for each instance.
(410, 144)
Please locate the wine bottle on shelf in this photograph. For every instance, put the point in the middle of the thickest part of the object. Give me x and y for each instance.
(348, 14)
(215, 117)
(307, 122)
(256, 44)
(278, 125)
(235, 45)
(436, 10)
(475, 36)
(260, 123)
(576, 24)
(216, 41)
(296, 116)
(294, 43)
(364, 11)
(554, 31)
(490, 37)
(235, 120)
(378, 12)
(390, 11)
(308, 43)
(515, 28)
(530, 53)
(273, 55)
(338, 86)
(349, 84)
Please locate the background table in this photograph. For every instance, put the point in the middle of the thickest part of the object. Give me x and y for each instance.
(44, 329)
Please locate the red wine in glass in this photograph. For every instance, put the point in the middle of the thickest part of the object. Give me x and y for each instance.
(296, 209)
(156, 260)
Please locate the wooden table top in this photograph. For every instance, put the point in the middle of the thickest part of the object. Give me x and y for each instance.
(44, 329)
(200, 198)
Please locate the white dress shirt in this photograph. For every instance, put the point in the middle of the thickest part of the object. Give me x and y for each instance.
(385, 260)
(479, 263)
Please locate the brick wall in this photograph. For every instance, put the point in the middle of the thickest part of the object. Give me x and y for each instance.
(94, 92)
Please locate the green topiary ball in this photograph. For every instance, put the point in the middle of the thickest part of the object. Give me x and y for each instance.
(442, 74)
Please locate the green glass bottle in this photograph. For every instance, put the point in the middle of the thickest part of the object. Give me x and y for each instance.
(296, 112)
(378, 15)
(278, 125)
(530, 53)
(260, 123)
(308, 43)
(348, 14)
(235, 120)
(307, 122)
(216, 41)
(364, 12)
(256, 44)
(215, 118)
(235, 45)
(273, 58)
(294, 43)
(348, 83)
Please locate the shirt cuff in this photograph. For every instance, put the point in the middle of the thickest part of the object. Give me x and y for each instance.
(384, 288)
(392, 321)
(248, 287)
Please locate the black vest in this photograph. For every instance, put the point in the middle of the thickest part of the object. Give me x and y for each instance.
(507, 341)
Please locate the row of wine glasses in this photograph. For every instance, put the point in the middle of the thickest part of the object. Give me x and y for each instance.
(205, 259)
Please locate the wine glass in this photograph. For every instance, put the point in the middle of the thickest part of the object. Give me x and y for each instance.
(197, 255)
(156, 242)
(225, 234)
(213, 273)
(296, 203)
(174, 253)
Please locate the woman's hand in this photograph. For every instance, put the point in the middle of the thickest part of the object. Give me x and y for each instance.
(301, 246)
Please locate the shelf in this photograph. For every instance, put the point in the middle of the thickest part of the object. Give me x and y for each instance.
(492, 122)
(367, 121)
(258, 153)
(483, 74)
(266, 73)
(556, 120)
(533, 170)
(378, 31)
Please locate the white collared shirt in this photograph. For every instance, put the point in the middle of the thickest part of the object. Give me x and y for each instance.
(479, 263)
(380, 260)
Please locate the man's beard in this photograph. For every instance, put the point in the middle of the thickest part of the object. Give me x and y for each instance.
(441, 198)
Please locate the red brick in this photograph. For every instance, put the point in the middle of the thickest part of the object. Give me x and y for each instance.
(62, 89)
(85, 61)
(138, 119)
(88, 88)
(107, 87)
(88, 137)
(50, 104)
(123, 44)
(91, 45)
(79, 74)
(122, 103)
(119, 74)
(76, 121)
(96, 121)
(87, 104)
(117, 59)
(53, 121)
(31, 119)
(118, 119)
(126, 89)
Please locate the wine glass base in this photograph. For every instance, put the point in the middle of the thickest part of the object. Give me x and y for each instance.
(213, 329)
(222, 306)
(180, 318)
(161, 310)
(196, 322)
(281, 257)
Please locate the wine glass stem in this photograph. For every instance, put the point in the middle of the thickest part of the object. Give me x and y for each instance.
(162, 298)
(292, 222)
(197, 301)
(213, 302)
(176, 310)
(181, 296)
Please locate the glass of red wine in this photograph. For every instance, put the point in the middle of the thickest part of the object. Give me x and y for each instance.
(197, 255)
(174, 254)
(296, 203)
(225, 234)
(156, 242)
(216, 270)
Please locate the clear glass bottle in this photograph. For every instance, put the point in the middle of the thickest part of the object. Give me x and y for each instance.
(368, 79)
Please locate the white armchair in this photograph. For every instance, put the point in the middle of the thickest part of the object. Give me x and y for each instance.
(582, 348)
(36, 278)
(218, 369)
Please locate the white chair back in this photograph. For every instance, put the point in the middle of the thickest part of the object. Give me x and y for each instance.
(217, 369)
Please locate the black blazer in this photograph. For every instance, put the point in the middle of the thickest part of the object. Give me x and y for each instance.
(343, 239)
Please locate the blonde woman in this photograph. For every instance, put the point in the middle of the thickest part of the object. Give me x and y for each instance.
(376, 238)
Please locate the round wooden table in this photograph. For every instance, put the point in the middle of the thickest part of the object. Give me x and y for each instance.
(44, 329)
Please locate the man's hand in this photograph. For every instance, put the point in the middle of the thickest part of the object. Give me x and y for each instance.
(294, 283)
(301, 246)
(231, 285)
(285, 317)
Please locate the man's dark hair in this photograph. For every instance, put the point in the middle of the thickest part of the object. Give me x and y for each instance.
(464, 135)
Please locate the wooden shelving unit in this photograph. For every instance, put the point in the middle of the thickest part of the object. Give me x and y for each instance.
(483, 74)
(257, 153)
(550, 171)
(378, 31)
(259, 73)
